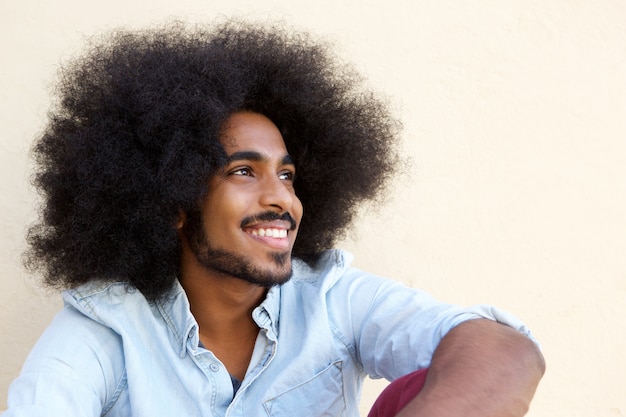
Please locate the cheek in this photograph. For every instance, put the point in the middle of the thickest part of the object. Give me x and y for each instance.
(226, 202)
(219, 213)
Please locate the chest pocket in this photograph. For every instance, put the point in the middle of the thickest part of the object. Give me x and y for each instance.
(320, 396)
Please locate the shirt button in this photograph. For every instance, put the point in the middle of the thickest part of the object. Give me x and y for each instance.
(214, 367)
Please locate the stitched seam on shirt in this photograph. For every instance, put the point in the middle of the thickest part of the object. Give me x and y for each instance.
(85, 301)
(346, 342)
(121, 386)
(169, 320)
(338, 363)
(377, 293)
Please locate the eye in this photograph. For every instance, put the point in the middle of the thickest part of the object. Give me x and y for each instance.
(287, 176)
(243, 171)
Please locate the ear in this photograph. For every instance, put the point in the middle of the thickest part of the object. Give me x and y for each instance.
(181, 219)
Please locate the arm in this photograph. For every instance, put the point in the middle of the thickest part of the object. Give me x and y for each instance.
(480, 368)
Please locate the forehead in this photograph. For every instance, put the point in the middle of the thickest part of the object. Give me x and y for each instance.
(248, 131)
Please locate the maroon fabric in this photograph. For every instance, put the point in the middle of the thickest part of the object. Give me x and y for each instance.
(398, 394)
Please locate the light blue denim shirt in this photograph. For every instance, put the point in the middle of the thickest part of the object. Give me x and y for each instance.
(109, 352)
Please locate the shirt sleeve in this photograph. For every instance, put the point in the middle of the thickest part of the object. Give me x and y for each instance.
(71, 371)
(396, 329)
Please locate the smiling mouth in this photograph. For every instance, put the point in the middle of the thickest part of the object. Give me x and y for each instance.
(275, 233)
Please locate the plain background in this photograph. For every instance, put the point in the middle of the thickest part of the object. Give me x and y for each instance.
(514, 119)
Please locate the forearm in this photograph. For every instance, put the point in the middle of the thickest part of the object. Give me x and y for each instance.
(481, 368)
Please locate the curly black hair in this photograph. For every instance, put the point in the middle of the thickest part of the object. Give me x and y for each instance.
(134, 136)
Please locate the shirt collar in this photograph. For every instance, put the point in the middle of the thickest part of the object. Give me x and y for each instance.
(267, 314)
(176, 310)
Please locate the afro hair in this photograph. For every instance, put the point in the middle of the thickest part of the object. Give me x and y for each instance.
(134, 137)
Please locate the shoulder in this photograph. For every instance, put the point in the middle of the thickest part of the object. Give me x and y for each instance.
(331, 271)
(76, 359)
(335, 277)
(350, 295)
(76, 344)
(116, 305)
(96, 295)
(82, 342)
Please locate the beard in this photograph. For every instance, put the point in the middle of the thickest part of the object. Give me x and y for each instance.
(234, 264)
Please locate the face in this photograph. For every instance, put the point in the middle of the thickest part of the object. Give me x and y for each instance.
(247, 224)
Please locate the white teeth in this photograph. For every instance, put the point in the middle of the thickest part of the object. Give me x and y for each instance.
(276, 233)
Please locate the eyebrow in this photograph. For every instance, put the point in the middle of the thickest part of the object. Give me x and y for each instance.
(256, 157)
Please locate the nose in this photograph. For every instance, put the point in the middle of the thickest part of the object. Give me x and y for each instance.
(276, 194)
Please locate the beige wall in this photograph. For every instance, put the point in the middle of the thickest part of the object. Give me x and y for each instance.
(515, 119)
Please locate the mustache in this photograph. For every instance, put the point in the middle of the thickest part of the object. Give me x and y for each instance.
(269, 216)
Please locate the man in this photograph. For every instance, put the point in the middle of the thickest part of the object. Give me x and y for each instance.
(177, 170)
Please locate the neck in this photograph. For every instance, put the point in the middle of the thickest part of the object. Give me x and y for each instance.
(222, 306)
